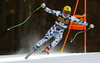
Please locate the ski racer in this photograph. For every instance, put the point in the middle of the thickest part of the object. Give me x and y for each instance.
(63, 20)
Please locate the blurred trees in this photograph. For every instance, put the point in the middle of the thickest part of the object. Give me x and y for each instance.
(13, 12)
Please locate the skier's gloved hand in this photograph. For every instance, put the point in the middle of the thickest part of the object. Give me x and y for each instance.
(43, 5)
(91, 26)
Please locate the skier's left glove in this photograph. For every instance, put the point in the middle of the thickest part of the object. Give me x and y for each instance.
(43, 5)
(91, 26)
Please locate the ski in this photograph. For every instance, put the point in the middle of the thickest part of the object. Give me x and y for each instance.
(44, 52)
(32, 51)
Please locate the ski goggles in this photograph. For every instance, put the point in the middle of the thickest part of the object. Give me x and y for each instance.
(66, 12)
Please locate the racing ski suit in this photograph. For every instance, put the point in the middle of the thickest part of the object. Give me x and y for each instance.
(57, 29)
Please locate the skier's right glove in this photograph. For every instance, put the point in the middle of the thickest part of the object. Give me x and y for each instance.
(43, 5)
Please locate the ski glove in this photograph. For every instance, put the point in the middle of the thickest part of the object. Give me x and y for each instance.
(91, 26)
(43, 5)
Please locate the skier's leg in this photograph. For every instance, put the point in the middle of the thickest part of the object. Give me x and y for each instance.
(53, 44)
(47, 36)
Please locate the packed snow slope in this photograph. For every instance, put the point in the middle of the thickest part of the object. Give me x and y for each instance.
(53, 58)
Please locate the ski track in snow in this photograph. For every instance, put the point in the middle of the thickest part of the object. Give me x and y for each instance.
(53, 58)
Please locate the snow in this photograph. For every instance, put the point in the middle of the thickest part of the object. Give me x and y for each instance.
(53, 58)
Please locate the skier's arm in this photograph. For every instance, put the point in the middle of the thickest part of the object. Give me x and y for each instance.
(54, 12)
(74, 19)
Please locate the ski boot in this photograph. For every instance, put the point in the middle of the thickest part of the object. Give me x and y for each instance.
(45, 51)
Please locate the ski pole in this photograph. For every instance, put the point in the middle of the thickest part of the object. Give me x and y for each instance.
(79, 33)
(24, 21)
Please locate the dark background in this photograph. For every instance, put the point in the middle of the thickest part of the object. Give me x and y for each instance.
(23, 38)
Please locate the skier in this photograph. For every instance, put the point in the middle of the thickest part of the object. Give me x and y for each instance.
(63, 20)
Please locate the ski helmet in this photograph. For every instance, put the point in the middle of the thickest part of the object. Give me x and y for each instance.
(67, 9)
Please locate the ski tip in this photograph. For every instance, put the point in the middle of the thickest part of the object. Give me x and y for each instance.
(26, 58)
